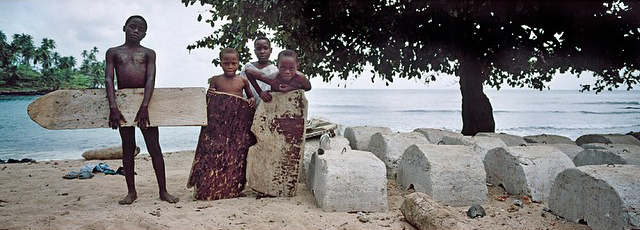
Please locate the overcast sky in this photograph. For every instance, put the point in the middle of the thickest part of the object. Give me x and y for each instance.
(77, 25)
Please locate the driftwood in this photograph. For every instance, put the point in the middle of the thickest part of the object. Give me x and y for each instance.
(106, 153)
(425, 213)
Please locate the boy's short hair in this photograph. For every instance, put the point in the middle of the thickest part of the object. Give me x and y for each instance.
(136, 16)
(228, 51)
(262, 38)
(288, 53)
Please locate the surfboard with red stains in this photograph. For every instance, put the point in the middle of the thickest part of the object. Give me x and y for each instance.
(219, 164)
(273, 164)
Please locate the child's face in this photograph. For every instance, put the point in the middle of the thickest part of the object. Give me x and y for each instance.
(135, 30)
(288, 66)
(229, 64)
(262, 49)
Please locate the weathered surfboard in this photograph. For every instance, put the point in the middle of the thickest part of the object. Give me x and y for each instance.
(89, 108)
(274, 162)
(317, 127)
(219, 165)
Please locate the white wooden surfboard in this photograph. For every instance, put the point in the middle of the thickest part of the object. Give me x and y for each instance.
(89, 108)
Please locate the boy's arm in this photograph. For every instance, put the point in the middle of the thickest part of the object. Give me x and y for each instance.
(252, 74)
(143, 113)
(247, 91)
(114, 113)
(298, 82)
(302, 81)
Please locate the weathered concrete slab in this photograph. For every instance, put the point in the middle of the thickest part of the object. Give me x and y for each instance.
(451, 174)
(89, 108)
(510, 140)
(608, 139)
(548, 139)
(350, 181)
(389, 148)
(526, 170)
(311, 146)
(605, 197)
(571, 150)
(425, 213)
(479, 144)
(435, 135)
(598, 153)
(273, 164)
(359, 136)
(220, 160)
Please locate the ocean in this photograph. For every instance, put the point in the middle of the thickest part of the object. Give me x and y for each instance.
(521, 112)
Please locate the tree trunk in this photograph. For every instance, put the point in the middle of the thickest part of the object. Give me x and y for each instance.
(477, 113)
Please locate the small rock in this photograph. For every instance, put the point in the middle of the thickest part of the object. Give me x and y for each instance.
(513, 208)
(363, 219)
(476, 210)
(517, 202)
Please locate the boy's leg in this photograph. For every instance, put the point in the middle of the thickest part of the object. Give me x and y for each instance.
(153, 146)
(127, 134)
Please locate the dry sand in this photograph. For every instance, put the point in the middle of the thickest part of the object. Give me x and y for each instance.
(35, 196)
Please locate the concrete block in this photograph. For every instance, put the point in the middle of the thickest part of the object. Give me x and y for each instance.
(549, 139)
(479, 144)
(571, 150)
(348, 182)
(359, 136)
(526, 170)
(389, 148)
(605, 197)
(311, 146)
(435, 135)
(608, 139)
(451, 174)
(597, 154)
(510, 140)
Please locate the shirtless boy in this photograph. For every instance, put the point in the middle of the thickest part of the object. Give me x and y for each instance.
(135, 67)
(229, 81)
(287, 78)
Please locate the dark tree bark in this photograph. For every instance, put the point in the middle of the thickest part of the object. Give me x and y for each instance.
(477, 113)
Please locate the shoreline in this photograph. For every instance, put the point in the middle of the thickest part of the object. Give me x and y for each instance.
(24, 92)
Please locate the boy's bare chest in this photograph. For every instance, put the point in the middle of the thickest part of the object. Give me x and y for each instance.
(131, 58)
(230, 85)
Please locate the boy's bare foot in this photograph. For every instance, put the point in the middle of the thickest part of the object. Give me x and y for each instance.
(169, 198)
(130, 198)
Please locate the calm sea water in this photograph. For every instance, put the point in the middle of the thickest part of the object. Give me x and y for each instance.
(519, 112)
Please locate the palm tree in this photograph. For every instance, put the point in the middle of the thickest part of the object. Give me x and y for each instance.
(22, 44)
(43, 53)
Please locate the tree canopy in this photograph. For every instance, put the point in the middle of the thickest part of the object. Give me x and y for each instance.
(25, 66)
(521, 44)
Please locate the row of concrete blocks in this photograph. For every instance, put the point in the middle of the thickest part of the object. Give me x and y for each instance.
(346, 180)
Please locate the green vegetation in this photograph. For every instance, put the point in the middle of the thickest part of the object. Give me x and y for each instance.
(27, 68)
(517, 43)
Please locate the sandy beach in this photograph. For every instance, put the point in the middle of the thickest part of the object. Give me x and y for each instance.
(35, 196)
